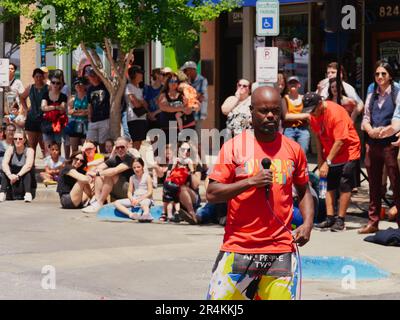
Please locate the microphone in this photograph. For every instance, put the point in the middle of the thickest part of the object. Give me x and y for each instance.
(266, 164)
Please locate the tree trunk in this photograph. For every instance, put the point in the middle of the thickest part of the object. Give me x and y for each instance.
(115, 111)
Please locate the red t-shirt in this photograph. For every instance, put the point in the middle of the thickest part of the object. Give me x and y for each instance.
(336, 124)
(251, 227)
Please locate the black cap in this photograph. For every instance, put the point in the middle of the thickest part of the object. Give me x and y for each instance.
(310, 101)
(80, 80)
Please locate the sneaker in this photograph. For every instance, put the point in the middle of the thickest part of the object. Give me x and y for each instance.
(186, 216)
(339, 225)
(93, 208)
(324, 225)
(28, 197)
(175, 218)
(2, 197)
(49, 182)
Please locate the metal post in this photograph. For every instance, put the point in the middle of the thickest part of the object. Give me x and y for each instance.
(1, 56)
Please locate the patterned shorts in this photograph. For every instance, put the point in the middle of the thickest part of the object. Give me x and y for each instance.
(253, 277)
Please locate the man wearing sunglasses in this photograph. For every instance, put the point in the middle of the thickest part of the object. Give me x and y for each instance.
(112, 176)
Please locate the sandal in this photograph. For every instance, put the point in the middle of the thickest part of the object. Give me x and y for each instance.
(163, 218)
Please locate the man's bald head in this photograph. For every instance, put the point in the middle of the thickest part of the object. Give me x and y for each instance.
(266, 93)
(266, 111)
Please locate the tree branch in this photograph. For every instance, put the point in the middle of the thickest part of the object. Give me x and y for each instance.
(97, 70)
(107, 44)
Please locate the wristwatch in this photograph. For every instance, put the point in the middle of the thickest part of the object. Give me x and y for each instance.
(328, 162)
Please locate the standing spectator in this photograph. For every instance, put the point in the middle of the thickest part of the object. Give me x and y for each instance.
(171, 101)
(99, 110)
(382, 105)
(74, 185)
(346, 102)
(282, 83)
(295, 121)
(201, 85)
(137, 107)
(18, 176)
(151, 94)
(339, 151)
(112, 176)
(14, 90)
(140, 192)
(323, 87)
(78, 111)
(186, 119)
(237, 109)
(55, 119)
(34, 114)
(46, 75)
(53, 165)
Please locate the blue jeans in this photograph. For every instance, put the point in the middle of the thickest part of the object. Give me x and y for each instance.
(301, 135)
(124, 122)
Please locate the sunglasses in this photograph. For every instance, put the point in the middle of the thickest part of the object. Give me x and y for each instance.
(173, 81)
(120, 147)
(184, 149)
(18, 139)
(384, 74)
(56, 83)
(78, 159)
(242, 85)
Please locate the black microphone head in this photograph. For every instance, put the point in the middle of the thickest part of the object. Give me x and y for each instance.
(266, 163)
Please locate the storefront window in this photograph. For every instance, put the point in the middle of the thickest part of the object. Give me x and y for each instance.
(294, 47)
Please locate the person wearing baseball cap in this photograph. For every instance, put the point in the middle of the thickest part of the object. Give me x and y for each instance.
(295, 122)
(339, 151)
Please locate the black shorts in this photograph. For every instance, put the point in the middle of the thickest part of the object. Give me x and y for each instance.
(138, 129)
(33, 125)
(66, 202)
(343, 177)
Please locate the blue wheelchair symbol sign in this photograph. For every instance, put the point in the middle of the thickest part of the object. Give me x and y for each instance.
(267, 23)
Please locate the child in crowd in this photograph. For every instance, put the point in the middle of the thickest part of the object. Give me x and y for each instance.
(177, 176)
(109, 147)
(189, 94)
(140, 192)
(53, 165)
(15, 117)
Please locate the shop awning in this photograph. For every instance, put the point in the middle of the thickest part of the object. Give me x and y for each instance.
(252, 3)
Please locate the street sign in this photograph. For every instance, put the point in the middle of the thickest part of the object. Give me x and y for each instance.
(267, 65)
(267, 18)
(4, 73)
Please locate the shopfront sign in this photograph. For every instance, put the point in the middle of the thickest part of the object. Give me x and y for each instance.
(267, 18)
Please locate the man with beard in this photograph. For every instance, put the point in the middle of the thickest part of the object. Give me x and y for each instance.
(255, 173)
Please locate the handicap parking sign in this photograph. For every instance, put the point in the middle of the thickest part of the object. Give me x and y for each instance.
(267, 22)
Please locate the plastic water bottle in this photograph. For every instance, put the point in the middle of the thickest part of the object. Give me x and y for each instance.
(323, 185)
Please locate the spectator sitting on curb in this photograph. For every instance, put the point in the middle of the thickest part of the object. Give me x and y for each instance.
(53, 165)
(140, 193)
(112, 176)
(73, 184)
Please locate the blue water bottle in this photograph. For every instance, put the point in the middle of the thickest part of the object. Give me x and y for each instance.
(323, 185)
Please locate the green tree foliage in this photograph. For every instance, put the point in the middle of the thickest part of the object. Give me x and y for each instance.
(124, 24)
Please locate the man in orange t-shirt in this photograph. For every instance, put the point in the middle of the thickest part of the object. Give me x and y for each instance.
(255, 258)
(339, 151)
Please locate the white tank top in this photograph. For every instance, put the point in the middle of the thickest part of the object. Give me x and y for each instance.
(139, 185)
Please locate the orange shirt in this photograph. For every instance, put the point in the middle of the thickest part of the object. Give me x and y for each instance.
(295, 109)
(336, 124)
(251, 227)
(190, 93)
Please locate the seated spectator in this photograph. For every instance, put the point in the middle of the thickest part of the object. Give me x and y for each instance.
(7, 140)
(18, 174)
(112, 176)
(109, 147)
(160, 167)
(73, 184)
(140, 192)
(92, 158)
(53, 165)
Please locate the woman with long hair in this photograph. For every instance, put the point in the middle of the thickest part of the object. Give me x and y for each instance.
(18, 177)
(346, 102)
(380, 108)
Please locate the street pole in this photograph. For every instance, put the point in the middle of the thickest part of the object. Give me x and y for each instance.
(1, 56)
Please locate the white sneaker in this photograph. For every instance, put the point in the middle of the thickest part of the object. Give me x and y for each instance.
(93, 208)
(28, 197)
(2, 197)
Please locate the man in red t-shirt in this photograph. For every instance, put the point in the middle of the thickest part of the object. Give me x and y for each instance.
(255, 258)
(339, 150)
